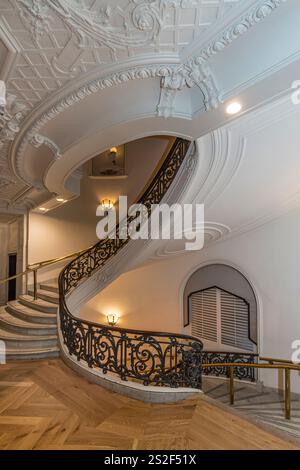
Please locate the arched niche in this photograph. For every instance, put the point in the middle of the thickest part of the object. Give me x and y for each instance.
(228, 279)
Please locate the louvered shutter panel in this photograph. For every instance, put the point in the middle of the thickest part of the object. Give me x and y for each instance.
(203, 306)
(235, 322)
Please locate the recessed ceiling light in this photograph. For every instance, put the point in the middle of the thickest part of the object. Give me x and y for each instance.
(43, 209)
(234, 108)
(60, 199)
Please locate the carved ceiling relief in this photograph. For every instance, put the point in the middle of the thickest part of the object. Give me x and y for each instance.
(61, 39)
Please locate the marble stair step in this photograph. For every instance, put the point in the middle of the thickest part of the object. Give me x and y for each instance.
(48, 296)
(30, 315)
(18, 341)
(39, 304)
(51, 287)
(16, 354)
(13, 324)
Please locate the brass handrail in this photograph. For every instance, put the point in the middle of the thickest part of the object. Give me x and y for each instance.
(286, 367)
(7, 279)
(49, 262)
(272, 360)
(33, 268)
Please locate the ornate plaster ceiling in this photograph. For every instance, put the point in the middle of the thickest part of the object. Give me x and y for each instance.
(47, 44)
(62, 39)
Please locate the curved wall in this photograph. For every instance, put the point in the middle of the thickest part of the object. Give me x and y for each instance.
(151, 296)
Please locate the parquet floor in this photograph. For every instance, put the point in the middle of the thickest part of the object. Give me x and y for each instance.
(45, 405)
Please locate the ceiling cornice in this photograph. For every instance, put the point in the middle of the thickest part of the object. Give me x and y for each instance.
(245, 18)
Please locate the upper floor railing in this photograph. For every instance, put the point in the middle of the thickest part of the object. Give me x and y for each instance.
(95, 257)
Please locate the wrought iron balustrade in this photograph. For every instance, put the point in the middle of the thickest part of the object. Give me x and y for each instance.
(164, 359)
(151, 358)
(220, 357)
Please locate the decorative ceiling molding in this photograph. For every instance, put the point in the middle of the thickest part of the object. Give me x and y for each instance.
(38, 140)
(10, 119)
(213, 232)
(144, 16)
(127, 26)
(174, 78)
(141, 21)
(257, 13)
(192, 73)
(12, 51)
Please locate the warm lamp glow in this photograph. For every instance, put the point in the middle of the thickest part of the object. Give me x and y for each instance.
(42, 209)
(112, 319)
(107, 204)
(114, 150)
(234, 108)
(60, 199)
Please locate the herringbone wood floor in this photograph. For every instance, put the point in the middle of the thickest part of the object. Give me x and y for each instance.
(45, 405)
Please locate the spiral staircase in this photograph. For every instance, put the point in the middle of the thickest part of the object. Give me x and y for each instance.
(28, 326)
(151, 366)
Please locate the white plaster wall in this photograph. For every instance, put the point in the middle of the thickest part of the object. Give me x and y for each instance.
(150, 297)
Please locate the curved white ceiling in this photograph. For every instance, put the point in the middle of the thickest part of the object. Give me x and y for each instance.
(91, 74)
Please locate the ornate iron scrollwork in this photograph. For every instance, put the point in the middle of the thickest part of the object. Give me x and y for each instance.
(151, 358)
(241, 373)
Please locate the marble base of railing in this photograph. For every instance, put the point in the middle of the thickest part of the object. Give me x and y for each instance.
(110, 381)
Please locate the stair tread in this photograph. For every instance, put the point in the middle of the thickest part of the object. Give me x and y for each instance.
(10, 319)
(22, 352)
(42, 303)
(47, 292)
(30, 311)
(9, 335)
(48, 284)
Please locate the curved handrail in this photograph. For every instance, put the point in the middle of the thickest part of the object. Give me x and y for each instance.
(255, 366)
(151, 357)
(35, 267)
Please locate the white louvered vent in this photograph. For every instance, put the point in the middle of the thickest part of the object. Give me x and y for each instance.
(220, 317)
(203, 306)
(235, 322)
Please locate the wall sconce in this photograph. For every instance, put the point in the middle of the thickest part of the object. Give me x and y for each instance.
(107, 204)
(112, 319)
(113, 151)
